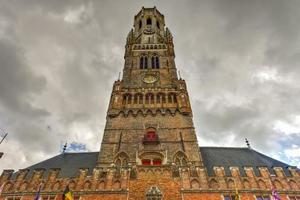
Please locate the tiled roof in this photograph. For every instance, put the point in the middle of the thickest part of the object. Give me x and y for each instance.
(69, 163)
(238, 157)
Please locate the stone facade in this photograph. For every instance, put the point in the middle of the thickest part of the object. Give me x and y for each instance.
(149, 148)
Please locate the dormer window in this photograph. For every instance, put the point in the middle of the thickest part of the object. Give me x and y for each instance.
(149, 21)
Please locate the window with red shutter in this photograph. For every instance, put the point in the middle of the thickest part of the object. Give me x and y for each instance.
(156, 162)
(146, 162)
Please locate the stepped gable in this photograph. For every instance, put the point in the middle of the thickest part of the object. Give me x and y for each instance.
(239, 157)
(68, 163)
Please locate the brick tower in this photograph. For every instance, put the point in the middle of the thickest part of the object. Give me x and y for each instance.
(149, 149)
(149, 119)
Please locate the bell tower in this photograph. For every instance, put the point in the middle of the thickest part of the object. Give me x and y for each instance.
(149, 119)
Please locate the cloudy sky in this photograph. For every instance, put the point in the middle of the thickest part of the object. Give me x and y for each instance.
(58, 61)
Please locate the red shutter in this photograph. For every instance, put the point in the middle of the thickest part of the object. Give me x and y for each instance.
(146, 162)
(156, 162)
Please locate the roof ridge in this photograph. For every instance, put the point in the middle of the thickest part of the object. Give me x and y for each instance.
(79, 152)
(219, 147)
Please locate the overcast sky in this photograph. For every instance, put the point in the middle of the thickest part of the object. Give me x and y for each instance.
(58, 61)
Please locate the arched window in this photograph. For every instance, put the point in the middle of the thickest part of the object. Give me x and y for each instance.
(117, 185)
(163, 98)
(151, 99)
(277, 185)
(230, 184)
(153, 62)
(121, 159)
(157, 62)
(247, 184)
(145, 62)
(157, 24)
(140, 24)
(138, 98)
(141, 62)
(149, 21)
(195, 184)
(147, 100)
(174, 98)
(180, 159)
(127, 99)
(87, 185)
(158, 98)
(262, 184)
(135, 99)
(170, 98)
(293, 185)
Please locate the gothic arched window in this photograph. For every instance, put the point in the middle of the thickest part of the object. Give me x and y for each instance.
(138, 98)
(141, 62)
(149, 21)
(121, 159)
(170, 97)
(153, 62)
(145, 62)
(127, 98)
(157, 62)
(174, 98)
(163, 98)
(180, 159)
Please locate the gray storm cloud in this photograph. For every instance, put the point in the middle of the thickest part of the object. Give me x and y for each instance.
(58, 61)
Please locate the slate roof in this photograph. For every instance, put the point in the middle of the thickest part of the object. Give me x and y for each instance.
(239, 157)
(69, 163)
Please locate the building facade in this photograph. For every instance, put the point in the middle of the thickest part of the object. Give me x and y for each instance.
(149, 148)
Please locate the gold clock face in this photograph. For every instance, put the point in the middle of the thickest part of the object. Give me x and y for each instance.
(150, 78)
